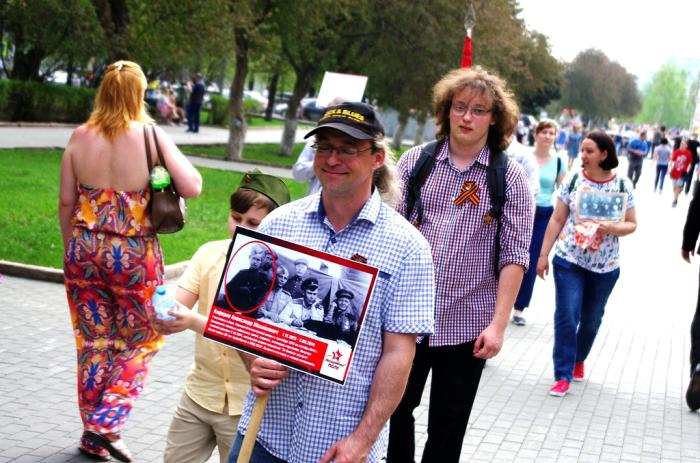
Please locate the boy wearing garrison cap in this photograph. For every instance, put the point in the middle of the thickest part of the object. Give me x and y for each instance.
(211, 404)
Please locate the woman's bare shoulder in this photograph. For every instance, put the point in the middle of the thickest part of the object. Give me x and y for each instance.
(83, 133)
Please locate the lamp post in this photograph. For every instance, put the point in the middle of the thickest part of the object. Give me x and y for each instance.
(469, 22)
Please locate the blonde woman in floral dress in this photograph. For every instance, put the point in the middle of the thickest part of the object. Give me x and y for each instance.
(587, 255)
(112, 260)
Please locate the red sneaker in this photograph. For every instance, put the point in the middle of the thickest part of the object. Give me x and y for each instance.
(560, 388)
(578, 371)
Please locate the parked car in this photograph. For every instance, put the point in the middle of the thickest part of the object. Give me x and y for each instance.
(280, 109)
(255, 96)
(310, 110)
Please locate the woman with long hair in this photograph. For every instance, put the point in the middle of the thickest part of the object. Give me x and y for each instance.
(551, 172)
(113, 260)
(586, 228)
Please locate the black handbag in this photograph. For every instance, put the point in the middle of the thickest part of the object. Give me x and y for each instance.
(166, 206)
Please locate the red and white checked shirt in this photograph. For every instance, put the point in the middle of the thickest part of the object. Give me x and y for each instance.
(462, 241)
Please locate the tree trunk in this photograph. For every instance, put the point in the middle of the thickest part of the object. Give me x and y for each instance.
(400, 129)
(113, 16)
(70, 70)
(271, 95)
(420, 128)
(237, 124)
(301, 86)
(27, 64)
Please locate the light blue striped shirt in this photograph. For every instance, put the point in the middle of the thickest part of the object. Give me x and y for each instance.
(305, 415)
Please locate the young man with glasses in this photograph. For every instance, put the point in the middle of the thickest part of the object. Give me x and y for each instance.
(475, 116)
(310, 419)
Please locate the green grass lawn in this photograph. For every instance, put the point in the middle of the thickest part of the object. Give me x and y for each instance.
(256, 121)
(29, 230)
(261, 153)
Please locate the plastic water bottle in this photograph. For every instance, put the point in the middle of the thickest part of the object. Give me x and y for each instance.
(163, 301)
(160, 178)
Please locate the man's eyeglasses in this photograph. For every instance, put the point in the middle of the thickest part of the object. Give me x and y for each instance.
(461, 110)
(345, 152)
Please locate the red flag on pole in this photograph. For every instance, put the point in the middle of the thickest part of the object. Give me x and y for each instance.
(467, 53)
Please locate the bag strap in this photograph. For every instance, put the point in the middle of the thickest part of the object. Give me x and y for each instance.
(496, 183)
(421, 170)
(160, 153)
(148, 149)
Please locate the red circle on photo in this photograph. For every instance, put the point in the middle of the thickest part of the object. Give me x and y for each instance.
(272, 280)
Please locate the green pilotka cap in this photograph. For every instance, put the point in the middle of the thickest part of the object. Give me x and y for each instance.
(269, 185)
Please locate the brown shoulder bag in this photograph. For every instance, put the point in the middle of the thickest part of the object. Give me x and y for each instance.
(166, 206)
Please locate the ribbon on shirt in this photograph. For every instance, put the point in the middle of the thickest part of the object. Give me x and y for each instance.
(468, 192)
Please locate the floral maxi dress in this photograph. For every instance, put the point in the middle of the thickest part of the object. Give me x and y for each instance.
(111, 267)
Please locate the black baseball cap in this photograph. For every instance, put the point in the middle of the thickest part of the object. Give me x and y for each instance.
(359, 120)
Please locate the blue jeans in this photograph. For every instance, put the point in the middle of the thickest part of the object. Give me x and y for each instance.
(259, 455)
(660, 176)
(193, 116)
(542, 215)
(581, 296)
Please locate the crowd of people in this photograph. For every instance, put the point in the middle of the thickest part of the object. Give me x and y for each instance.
(453, 264)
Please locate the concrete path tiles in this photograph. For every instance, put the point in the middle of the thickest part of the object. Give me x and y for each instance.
(631, 407)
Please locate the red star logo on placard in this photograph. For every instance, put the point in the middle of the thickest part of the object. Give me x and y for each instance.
(336, 355)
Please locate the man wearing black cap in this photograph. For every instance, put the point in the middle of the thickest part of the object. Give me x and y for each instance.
(309, 308)
(308, 419)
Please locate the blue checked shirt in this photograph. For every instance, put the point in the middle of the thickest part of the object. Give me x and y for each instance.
(305, 415)
(462, 241)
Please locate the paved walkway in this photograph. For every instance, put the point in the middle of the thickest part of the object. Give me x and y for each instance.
(57, 136)
(631, 407)
(40, 136)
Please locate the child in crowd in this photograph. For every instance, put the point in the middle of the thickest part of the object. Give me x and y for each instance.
(681, 160)
(211, 405)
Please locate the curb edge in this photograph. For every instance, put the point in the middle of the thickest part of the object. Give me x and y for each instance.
(54, 275)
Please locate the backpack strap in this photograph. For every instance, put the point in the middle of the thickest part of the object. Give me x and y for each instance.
(558, 166)
(573, 182)
(421, 170)
(496, 183)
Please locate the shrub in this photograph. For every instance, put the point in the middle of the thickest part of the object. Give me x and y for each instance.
(218, 110)
(41, 102)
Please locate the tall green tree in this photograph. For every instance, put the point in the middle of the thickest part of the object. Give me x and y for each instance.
(599, 88)
(503, 44)
(249, 16)
(47, 35)
(411, 46)
(318, 36)
(416, 43)
(667, 98)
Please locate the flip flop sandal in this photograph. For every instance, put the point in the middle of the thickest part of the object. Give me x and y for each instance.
(115, 448)
(102, 455)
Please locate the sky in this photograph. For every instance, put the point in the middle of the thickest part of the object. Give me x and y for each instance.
(641, 35)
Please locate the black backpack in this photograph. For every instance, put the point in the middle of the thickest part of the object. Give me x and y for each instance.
(495, 181)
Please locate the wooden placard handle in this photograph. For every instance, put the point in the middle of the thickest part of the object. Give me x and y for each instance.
(252, 431)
